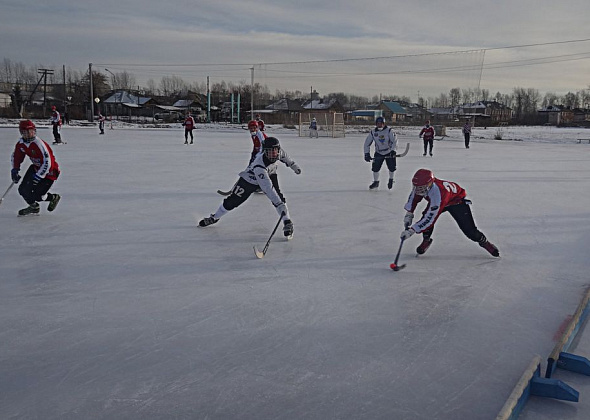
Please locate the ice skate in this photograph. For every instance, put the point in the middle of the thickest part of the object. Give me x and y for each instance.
(374, 185)
(390, 183)
(288, 229)
(491, 248)
(32, 209)
(423, 247)
(53, 202)
(208, 221)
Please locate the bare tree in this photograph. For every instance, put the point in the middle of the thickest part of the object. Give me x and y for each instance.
(455, 96)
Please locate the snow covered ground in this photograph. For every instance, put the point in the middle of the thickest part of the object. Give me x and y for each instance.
(117, 306)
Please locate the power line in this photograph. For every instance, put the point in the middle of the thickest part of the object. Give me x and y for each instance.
(348, 59)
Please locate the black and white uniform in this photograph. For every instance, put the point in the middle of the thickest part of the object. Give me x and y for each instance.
(256, 175)
(272, 172)
(385, 150)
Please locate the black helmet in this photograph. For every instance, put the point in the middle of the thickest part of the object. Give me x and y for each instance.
(269, 145)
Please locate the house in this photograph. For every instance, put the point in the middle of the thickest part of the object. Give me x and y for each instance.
(122, 103)
(557, 114)
(488, 110)
(443, 115)
(319, 106)
(393, 112)
(283, 111)
(415, 113)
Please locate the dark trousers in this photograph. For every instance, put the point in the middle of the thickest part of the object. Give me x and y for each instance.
(56, 135)
(378, 160)
(462, 215)
(186, 133)
(428, 142)
(33, 192)
(467, 136)
(241, 191)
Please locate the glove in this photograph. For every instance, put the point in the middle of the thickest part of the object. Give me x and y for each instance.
(296, 168)
(408, 219)
(367, 157)
(281, 208)
(14, 175)
(36, 179)
(407, 233)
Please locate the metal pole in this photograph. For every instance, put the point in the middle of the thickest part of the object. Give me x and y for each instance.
(252, 93)
(208, 102)
(91, 94)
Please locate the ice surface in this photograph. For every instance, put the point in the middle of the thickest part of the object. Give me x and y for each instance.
(117, 306)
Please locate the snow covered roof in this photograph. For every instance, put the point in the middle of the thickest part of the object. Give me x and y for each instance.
(124, 97)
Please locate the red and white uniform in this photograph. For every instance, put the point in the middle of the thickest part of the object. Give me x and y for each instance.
(257, 139)
(427, 132)
(189, 123)
(41, 156)
(55, 119)
(441, 195)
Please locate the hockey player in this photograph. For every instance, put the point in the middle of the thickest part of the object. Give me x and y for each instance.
(189, 125)
(41, 174)
(56, 124)
(427, 134)
(441, 196)
(467, 133)
(257, 138)
(101, 120)
(260, 122)
(258, 174)
(313, 128)
(385, 150)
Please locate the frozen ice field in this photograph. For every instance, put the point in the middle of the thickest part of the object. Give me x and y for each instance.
(116, 306)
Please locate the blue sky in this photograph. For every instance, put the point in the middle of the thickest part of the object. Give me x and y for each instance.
(117, 34)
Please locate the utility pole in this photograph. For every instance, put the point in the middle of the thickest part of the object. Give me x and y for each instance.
(252, 93)
(65, 90)
(44, 73)
(91, 119)
(208, 102)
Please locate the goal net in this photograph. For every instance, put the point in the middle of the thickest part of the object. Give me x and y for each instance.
(329, 124)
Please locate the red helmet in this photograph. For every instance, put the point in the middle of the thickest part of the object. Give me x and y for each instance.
(422, 181)
(252, 124)
(53, 108)
(24, 127)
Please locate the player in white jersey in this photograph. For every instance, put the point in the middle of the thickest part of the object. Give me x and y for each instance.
(259, 174)
(385, 150)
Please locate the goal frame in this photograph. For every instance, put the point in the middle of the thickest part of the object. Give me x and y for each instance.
(330, 124)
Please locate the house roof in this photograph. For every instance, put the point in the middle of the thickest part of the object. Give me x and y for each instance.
(285, 104)
(124, 97)
(319, 104)
(394, 107)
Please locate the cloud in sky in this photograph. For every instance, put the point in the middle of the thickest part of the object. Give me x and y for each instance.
(116, 34)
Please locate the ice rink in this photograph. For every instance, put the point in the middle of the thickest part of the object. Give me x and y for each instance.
(117, 306)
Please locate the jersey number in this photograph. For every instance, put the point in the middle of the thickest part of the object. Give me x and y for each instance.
(450, 187)
(238, 190)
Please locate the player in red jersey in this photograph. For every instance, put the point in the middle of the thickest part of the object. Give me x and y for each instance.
(257, 138)
(189, 125)
(427, 134)
(441, 196)
(42, 173)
